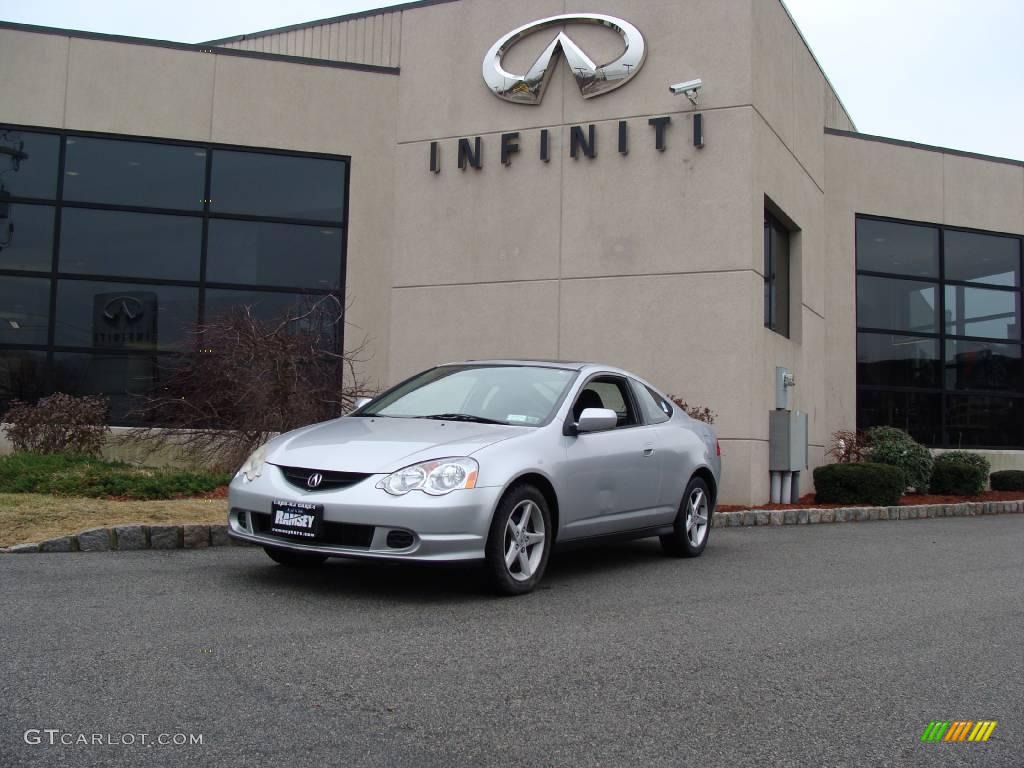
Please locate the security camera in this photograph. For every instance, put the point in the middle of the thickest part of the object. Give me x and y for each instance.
(690, 89)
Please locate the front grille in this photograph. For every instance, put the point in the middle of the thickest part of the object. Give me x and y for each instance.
(337, 534)
(399, 539)
(331, 481)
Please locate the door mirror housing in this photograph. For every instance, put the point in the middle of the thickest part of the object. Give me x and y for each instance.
(597, 420)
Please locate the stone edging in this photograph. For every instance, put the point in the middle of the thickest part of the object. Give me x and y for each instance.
(757, 517)
(135, 537)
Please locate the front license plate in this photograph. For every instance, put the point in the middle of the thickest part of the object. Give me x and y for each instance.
(296, 519)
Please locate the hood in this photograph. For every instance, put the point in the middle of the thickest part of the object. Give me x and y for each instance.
(375, 445)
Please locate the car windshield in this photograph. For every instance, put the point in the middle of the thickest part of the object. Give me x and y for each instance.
(511, 395)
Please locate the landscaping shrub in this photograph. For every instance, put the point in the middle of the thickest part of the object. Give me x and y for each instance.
(847, 447)
(1007, 480)
(698, 412)
(64, 475)
(58, 424)
(961, 473)
(878, 485)
(888, 445)
(951, 478)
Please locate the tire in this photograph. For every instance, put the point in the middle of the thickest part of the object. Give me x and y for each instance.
(693, 522)
(516, 558)
(291, 559)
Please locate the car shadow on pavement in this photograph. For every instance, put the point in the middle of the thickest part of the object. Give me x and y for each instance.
(428, 583)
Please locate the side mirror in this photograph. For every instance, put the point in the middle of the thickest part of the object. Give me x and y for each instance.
(597, 420)
(359, 403)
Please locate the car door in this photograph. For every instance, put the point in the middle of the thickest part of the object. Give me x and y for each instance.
(612, 479)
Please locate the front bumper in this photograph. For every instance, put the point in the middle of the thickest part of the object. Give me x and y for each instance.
(447, 528)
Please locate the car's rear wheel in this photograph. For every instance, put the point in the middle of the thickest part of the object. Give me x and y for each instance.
(693, 522)
(292, 559)
(519, 541)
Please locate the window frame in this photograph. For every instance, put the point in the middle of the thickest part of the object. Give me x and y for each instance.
(629, 399)
(54, 274)
(943, 390)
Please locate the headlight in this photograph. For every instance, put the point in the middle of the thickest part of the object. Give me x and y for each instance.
(433, 477)
(253, 466)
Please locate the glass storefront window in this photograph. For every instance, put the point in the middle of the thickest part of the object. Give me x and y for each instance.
(24, 310)
(897, 305)
(901, 249)
(28, 167)
(139, 246)
(289, 255)
(128, 244)
(988, 259)
(137, 173)
(984, 365)
(277, 186)
(905, 361)
(941, 381)
(124, 315)
(26, 242)
(982, 312)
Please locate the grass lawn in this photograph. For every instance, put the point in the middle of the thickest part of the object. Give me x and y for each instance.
(32, 517)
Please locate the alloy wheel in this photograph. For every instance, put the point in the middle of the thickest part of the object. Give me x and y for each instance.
(524, 540)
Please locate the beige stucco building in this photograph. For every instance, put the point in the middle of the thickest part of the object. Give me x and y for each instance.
(651, 259)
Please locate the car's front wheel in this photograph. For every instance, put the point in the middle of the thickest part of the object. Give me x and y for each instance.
(293, 559)
(519, 541)
(693, 522)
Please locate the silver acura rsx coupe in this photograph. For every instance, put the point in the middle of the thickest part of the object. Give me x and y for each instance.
(493, 461)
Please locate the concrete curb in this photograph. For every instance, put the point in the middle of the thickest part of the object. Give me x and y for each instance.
(776, 517)
(123, 538)
(136, 537)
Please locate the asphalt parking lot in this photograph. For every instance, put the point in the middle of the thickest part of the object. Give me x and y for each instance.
(803, 646)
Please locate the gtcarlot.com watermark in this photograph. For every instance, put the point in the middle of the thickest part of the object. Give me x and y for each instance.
(56, 737)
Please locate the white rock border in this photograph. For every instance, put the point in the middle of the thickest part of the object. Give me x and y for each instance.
(136, 537)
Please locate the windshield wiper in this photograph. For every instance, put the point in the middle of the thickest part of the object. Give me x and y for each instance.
(462, 417)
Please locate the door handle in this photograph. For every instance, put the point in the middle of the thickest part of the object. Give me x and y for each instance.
(648, 451)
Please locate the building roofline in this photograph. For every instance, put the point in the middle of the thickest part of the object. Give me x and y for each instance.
(924, 147)
(332, 20)
(195, 48)
(821, 69)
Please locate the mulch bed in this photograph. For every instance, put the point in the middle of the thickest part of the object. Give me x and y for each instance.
(807, 501)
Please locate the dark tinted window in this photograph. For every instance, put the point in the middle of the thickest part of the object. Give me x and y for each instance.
(24, 310)
(28, 164)
(259, 253)
(275, 185)
(904, 361)
(982, 312)
(776, 275)
(996, 422)
(121, 378)
(134, 173)
(26, 237)
(918, 413)
(123, 315)
(121, 244)
(898, 305)
(903, 249)
(983, 365)
(268, 306)
(22, 376)
(982, 258)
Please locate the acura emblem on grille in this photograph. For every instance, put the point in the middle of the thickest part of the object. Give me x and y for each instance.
(314, 480)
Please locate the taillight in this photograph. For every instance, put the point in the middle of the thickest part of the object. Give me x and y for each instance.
(718, 448)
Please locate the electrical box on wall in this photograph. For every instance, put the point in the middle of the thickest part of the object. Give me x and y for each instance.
(787, 441)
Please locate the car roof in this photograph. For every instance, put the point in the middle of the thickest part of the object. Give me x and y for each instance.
(574, 365)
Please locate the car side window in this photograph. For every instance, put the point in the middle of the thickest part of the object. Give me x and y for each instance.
(655, 409)
(611, 392)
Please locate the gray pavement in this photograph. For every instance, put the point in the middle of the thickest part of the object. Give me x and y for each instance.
(795, 646)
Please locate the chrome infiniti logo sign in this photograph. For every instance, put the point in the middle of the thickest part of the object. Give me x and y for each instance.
(314, 480)
(593, 79)
(128, 307)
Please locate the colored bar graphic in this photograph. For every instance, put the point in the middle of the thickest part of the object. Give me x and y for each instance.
(959, 730)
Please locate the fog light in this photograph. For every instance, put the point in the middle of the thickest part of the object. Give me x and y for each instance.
(243, 519)
(400, 539)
